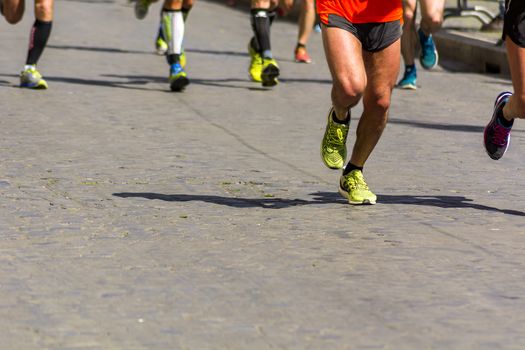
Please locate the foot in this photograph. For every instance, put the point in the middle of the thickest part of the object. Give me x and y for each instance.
(353, 187)
(270, 72)
(497, 136)
(408, 82)
(301, 55)
(141, 8)
(32, 79)
(429, 56)
(178, 78)
(161, 47)
(255, 69)
(333, 146)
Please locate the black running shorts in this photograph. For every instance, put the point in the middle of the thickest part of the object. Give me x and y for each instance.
(373, 36)
(514, 21)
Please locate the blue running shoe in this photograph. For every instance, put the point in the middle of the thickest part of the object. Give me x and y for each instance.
(178, 78)
(497, 136)
(429, 55)
(408, 82)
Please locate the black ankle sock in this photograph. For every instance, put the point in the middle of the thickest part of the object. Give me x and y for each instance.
(345, 121)
(350, 167)
(173, 58)
(38, 40)
(300, 46)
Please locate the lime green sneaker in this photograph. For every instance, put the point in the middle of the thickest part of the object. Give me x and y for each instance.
(32, 79)
(178, 78)
(161, 46)
(182, 59)
(255, 69)
(333, 147)
(270, 72)
(354, 188)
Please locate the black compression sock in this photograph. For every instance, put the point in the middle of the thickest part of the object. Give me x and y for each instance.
(261, 29)
(185, 12)
(350, 167)
(38, 40)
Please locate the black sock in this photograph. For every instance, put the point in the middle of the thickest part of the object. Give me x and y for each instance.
(271, 15)
(173, 58)
(261, 29)
(502, 120)
(185, 12)
(38, 40)
(299, 46)
(345, 121)
(350, 167)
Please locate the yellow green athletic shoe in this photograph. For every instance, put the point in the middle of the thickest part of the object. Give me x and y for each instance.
(161, 47)
(32, 79)
(270, 72)
(354, 188)
(178, 78)
(255, 69)
(333, 147)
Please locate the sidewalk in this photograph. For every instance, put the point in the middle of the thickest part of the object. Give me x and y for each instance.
(462, 41)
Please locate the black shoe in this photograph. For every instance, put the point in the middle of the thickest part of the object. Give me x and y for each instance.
(497, 136)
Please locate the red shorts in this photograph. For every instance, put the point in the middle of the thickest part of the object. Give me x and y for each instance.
(361, 11)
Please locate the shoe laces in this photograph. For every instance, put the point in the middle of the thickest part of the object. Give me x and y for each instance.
(355, 181)
(336, 134)
(500, 135)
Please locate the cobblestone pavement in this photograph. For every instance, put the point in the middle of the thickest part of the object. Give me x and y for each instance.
(136, 218)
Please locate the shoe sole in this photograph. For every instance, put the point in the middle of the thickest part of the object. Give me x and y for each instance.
(407, 87)
(34, 87)
(364, 202)
(269, 75)
(492, 120)
(179, 84)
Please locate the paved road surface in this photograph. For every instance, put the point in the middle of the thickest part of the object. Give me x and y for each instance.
(136, 218)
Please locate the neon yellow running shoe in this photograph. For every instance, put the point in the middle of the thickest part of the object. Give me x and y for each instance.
(354, 188)
(333, 146)
(161, 47)
(255, 69)
(182, 59)
(270, 72)
(32, 79)
(178, 78)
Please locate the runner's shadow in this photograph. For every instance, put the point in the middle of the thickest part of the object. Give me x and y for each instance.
(97, 49)
(445, 127)
(445, 202)
(266, 203)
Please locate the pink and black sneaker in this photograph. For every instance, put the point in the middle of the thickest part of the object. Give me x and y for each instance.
(497, 135)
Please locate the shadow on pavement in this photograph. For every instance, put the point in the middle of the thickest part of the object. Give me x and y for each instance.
(267, 203)
(444, 202)
(97, 49)
(445, 127)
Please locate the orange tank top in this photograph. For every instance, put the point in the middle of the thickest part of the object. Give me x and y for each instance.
(361, 11)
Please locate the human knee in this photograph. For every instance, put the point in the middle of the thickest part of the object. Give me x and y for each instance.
(260, 4)
(350, 92)
(432, 23)
(408, 19)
